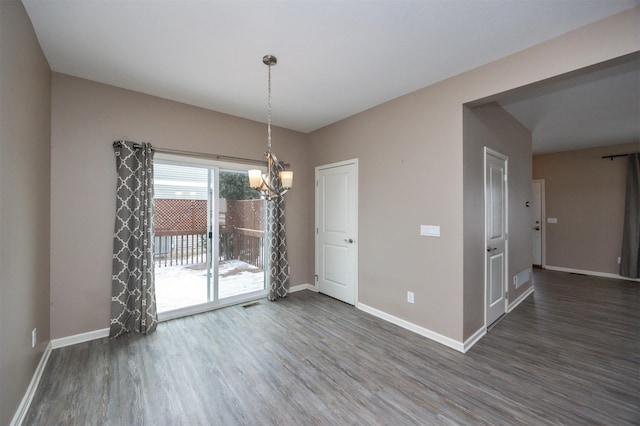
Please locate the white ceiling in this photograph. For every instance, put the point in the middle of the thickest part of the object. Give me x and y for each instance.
(336, 58)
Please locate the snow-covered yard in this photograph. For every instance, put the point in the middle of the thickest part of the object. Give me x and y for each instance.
(179, 286)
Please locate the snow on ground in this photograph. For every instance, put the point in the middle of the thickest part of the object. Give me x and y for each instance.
(180, 285)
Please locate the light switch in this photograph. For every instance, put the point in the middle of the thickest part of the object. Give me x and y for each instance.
(430, 230)
(552, 220)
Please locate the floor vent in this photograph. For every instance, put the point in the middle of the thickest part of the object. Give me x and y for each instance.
(522, 278)
(249, 305)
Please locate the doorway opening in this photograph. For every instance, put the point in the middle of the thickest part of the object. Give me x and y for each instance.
(538, 223)
(209, 237)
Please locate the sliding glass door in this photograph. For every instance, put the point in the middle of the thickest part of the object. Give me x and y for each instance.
(209, 245)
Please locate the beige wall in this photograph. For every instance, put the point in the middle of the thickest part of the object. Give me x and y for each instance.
(411, 173)
(491, 126)
(407, 177)
(25, 125)
(86, 118)
(586, 194)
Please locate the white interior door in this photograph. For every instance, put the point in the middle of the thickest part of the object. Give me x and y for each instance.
(536, 219)
(336, 230)
(496, 234)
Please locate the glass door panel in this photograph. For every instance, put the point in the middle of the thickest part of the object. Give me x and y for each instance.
(181, 243)
(241, 236)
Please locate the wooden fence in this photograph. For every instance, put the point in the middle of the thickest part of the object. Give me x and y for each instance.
(181, 235)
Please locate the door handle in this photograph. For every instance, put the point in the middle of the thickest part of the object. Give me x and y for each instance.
(536, 228)
(490, 249)
(348, 240)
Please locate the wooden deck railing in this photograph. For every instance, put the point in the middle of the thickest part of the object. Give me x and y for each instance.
(191, 249)
(180, 249)
(249, 246)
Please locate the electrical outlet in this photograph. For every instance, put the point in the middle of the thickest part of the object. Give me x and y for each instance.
(33, 338)
(410, 296)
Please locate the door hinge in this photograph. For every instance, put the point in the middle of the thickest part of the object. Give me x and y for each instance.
(506, 235)
(316, 278)
(505, 177)
(316, 231)
(316, 184)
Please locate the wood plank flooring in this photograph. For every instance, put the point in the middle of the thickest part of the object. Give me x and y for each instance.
(569, 354)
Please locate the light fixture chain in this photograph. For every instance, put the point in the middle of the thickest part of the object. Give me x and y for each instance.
(269, 114)
(276, 182)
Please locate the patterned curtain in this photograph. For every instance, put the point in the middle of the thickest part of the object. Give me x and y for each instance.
(133, 299)
(630, 260)
(277, 242)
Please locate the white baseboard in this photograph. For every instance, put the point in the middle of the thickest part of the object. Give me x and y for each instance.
(104, 332)
(79, 338)
(300, 287)
(475, 338)
(21, 412)
(519, 299)
(592, 273)
(451, 343)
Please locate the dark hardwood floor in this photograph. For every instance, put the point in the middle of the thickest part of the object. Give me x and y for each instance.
(569, 354)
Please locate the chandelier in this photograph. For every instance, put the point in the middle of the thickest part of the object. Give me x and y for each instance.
(262, 182)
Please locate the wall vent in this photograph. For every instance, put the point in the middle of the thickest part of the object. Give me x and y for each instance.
(522, 278)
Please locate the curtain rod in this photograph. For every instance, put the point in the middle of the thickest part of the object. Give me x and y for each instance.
(209, 156)
(618, 155)
(205, 155)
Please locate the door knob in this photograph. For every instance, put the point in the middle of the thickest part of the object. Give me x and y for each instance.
(490, 249)
(348, 240)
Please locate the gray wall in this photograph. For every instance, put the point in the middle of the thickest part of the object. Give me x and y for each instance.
(86, 118)
(491, 126)
(586, 194)
(411, 173)
(25, 111)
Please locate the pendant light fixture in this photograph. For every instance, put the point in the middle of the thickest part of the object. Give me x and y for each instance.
(262, 182)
